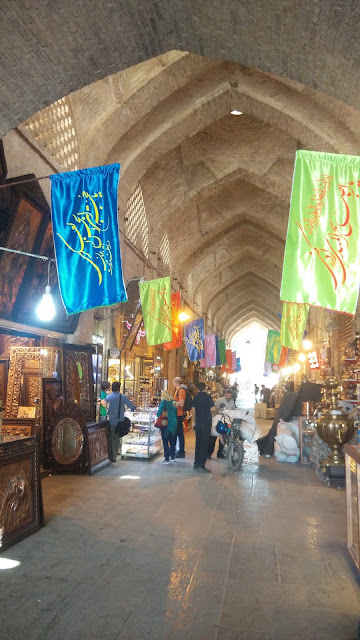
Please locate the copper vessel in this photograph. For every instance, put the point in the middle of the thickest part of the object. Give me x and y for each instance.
(334, 427)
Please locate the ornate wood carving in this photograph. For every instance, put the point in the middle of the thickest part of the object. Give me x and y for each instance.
(20, 500)
(98, 441)
(78, 378)
(27, 360)
(18, 427)
(68, 415)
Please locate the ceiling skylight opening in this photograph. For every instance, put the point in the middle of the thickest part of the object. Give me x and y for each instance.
(236, 113)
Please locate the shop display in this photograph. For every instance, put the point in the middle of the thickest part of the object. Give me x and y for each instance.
(20, 492)
(65, 439)
(334, 427)
(352, 465)
(144, 439)
(350, 372)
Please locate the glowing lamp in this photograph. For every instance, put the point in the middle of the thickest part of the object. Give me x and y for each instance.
(46, 308)
(302, 357)
(296, 367)
(183, 316)
(307, 344)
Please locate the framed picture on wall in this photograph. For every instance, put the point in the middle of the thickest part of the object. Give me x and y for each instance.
(22, 235)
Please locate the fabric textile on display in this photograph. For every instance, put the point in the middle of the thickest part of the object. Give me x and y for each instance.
(210, 351)
(217, 351)
(273, 347)
(155, 299)
(195, 339)
(222, 351)
(293, 323)
(321, 261)
(84, 218)
(175, 323)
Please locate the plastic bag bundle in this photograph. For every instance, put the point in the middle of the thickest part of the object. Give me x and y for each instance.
(286, 445)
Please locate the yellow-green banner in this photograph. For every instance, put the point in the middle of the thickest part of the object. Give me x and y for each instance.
(293, 322)
(273, 347)
(321, 261)
(155, 298)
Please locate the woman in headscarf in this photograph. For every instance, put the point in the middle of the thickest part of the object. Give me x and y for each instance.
(168, 408)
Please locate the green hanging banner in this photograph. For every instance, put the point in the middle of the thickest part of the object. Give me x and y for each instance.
(293, 322)
(273, 347)
(155, 298)
(321, 261)
(222, 351)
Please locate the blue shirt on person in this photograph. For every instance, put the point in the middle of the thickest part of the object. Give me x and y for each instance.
(112, 402)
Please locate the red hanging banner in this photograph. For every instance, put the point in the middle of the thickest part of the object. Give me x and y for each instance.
(175, 323)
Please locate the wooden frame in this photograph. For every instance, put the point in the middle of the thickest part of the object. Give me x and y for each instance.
(23, 234)
(4, 372)
(76, 387)
(52, 400)
(20, 490)
(18, 427)
(72, 415)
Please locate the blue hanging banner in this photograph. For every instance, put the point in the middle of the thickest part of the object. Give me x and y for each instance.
(86, 237)
(195, 339)
(238, 365)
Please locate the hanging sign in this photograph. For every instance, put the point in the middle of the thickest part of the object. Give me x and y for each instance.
(293, 322)
(273, 347)
(238, 366)
(233, 366)
(195, 339)
(321, 263)
(175, 323)
(313, 360)
(155, 299)
(86, 237)
(229, 361)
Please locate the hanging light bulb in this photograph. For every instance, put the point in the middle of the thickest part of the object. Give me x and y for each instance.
(307, 344)
(46, 308)
(302, 357)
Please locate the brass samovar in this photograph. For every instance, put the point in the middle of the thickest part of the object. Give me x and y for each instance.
(334, 426)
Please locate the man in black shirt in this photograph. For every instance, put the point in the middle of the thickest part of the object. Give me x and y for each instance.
(201, 412)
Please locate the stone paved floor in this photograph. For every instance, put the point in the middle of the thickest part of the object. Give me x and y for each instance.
(143, 550)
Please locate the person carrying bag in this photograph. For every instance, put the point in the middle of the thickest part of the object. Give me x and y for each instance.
(167, 423)
(116, 403)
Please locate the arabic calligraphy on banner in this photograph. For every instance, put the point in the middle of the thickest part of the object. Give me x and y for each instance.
(86, 237)
(156, 305)
(321, 264)
(194, 339)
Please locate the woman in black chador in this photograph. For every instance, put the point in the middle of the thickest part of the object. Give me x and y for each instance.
(290, 406)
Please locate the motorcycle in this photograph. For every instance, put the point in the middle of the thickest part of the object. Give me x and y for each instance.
(235, 430)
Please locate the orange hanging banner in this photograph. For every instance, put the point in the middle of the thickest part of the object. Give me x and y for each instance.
(175, 323)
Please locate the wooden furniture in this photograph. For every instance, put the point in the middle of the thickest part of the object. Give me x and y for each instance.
(97, 446)
(352, 468)
(18, 427)
(20, 493)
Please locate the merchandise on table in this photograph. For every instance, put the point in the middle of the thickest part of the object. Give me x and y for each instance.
(144, 439)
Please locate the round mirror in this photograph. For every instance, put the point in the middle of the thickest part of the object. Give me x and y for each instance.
(67, 441)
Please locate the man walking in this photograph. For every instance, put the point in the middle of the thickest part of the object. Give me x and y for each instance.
(265, 394)
(113, 401)
(201, 412)
(229, 403)
(179, 397)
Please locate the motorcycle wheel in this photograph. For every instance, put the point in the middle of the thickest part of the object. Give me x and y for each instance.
(235, 456)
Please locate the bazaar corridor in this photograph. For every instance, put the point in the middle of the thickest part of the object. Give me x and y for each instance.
(143, 550)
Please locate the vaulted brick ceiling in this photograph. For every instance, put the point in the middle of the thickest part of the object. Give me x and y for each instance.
(224, 180)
